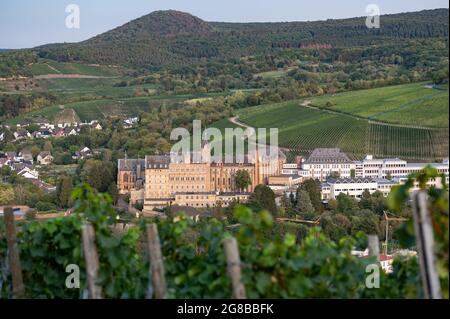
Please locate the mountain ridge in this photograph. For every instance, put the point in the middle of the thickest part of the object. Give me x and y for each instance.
(173, 37)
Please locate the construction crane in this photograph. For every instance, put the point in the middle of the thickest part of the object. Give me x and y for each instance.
(387, 219)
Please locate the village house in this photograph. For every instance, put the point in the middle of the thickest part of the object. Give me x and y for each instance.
(28, 173)
(43, 133)
(83, 153)
(95, 125)
(4, 161)
(130, 122)
(45, 187)
(45, 158)
(11, 156)
(58, 133)
(21, 134)
(69, 131)
(26, 156)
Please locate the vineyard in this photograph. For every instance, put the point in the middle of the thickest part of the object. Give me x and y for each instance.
(303, 129)
(274, 263)
(408, 104)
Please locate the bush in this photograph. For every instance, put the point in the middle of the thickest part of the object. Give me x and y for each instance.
(45, 206)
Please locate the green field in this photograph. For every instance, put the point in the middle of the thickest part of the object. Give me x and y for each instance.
(44, 66)
(410, 104)
(302, 129)
(98, 109)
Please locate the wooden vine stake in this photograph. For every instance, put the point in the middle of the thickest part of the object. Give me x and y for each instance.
(234, 268)
(425, 244)
(13, 254)
(92, 261)
(156, 262)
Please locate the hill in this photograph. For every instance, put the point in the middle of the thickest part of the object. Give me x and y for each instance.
(172, 37)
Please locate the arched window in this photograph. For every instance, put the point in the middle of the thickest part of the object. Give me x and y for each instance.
(125, 178)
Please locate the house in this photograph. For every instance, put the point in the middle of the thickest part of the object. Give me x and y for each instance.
(26, 156)
(42, 133)
(4, 161)
(58, 133)
(22, 134)
(45, 187)
(83, 153)
(68, 131)
(95, 125)
(45, 158)
(11, 156)
(129, 122)
(28, 173)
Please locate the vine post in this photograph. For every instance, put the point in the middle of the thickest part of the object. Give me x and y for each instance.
(425, 244)
(156, 262)
(14, 257)
(92, 261)
(234, 267)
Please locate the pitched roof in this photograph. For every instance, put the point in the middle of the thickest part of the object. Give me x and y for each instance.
(327, 155)
(44, 154)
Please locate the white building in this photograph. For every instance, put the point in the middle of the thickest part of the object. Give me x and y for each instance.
(325, 162)
(393, 167)
(355, 187)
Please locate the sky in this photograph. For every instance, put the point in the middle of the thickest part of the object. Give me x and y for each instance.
(29, 23)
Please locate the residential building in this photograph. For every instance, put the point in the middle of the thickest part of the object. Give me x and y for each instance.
(45, 158)
(21, 134)
(26, 156)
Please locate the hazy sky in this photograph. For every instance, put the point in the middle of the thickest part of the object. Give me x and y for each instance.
(28, 23)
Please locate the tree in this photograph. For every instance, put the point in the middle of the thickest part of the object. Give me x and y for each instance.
(242, 179)
(312, 187)
(346, 204)
(263, 198)
(48, 146)
(304, 204)
(100, 175)
(366, 200)
(6, 194)
(64, 190)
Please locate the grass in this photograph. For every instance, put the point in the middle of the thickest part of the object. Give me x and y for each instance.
(101, 108)
(408, 104)
(302, 129)
(45, 66)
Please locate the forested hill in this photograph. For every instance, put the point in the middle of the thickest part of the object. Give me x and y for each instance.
(173, 37)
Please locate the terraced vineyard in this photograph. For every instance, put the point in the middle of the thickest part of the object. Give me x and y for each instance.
(302, 129)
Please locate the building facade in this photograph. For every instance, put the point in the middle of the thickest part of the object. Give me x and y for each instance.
(355, 187)
(161, 180)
